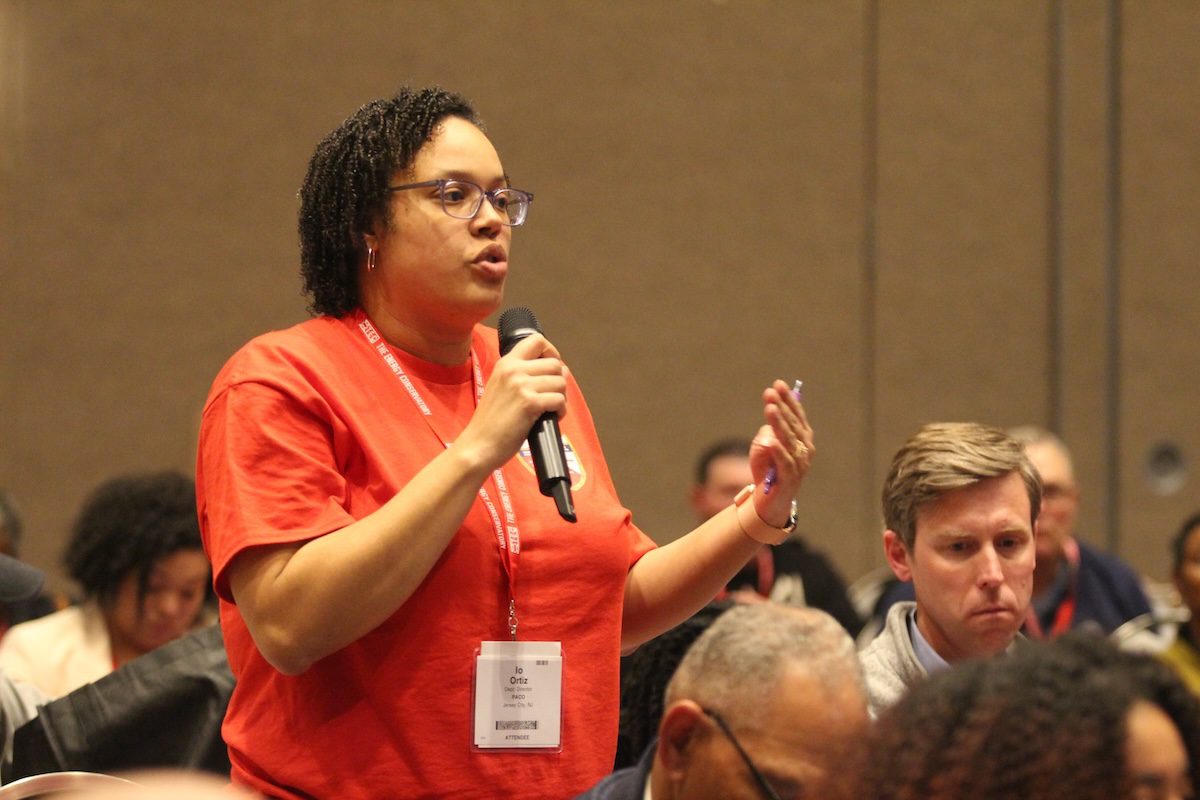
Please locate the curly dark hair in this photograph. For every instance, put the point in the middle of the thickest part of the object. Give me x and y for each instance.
(1047, 722)
(129, 524)
(345, 191)
(646, 675)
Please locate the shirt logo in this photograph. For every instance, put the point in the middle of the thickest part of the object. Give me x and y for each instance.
(574, 467)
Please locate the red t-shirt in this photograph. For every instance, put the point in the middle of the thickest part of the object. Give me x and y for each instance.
(306, 430)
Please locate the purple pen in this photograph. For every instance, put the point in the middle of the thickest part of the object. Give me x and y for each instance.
(769, 481)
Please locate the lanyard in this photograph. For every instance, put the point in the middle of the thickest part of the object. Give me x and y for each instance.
(508, 534)
(1065, 614)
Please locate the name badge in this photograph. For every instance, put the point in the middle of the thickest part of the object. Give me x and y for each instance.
(518, 696)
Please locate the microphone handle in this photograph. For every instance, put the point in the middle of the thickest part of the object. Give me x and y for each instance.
(550, 464)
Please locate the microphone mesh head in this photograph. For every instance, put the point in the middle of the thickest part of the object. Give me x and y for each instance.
(514, 325)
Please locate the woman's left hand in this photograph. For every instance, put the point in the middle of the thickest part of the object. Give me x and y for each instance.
(784, 445)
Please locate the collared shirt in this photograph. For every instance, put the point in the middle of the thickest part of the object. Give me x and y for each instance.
(924, 651)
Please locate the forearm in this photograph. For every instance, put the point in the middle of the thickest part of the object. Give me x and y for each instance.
(672, 582)
(302, 603)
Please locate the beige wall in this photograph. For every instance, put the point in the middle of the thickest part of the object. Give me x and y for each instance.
(927, 210)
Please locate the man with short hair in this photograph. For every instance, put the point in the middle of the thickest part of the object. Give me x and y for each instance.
(1075, 584)
(961, 504)
(768, 702)
(792, 572)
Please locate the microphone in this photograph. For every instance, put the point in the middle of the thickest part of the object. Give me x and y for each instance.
(545, 440)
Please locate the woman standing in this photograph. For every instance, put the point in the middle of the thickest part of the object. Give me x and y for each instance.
(406, 615)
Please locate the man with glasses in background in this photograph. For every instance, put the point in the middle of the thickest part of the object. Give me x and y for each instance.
(1074, 584)
(767, 703)
(792, 573)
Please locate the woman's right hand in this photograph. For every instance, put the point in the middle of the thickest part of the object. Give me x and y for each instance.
(526, 383)
(365, 571)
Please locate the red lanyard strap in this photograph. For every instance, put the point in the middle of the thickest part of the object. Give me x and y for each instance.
(1064, 615)
(507, 532)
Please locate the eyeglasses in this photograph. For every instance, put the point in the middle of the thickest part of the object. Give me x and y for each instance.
(463, 199)
(759, 778)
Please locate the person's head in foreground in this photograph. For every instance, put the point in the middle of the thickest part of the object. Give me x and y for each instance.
(1074, 718)
(960, 503)
(135, 550)
(767, 703)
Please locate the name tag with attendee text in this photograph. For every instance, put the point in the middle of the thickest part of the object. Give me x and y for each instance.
(518, 696)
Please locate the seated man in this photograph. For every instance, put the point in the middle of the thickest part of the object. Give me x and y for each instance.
(1075, 585)
(767, 702)
(960, 503)
(791, 573)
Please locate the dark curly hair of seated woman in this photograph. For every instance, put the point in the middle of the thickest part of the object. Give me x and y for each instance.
(136, 553)
(1074, 718)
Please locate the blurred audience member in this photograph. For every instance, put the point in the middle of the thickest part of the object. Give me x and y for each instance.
(961, 506)
(11, 526)
(38, 604)
(1074, 584)
(1076, 718)
(791, 573)
(768, 702)
(136, 553)
(18, 700)
(1184, 652)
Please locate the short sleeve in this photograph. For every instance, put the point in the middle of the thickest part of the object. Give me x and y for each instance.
(266, 473)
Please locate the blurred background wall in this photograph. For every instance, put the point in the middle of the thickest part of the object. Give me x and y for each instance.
(927, 210)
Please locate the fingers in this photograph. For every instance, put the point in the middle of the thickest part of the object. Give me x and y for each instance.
(534, 346)
(530, 380)
(787, 438)
(534, 368)
(541, 356)
(786, 415)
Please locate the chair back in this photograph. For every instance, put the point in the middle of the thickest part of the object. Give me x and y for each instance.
(1152, 632)
(49, 783)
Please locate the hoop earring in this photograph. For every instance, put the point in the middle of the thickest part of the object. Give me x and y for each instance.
(370, 259)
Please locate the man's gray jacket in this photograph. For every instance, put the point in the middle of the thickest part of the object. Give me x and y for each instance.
(889, 663)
